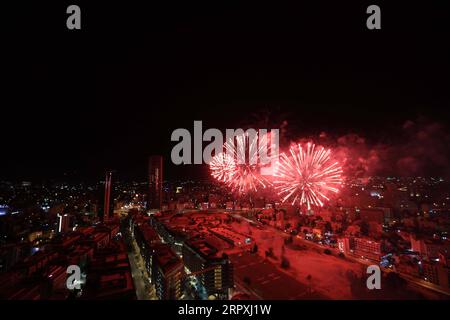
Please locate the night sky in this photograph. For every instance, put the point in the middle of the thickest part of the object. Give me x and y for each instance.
(111, 94)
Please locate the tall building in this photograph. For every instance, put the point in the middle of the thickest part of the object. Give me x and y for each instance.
(107, 199)
(155, 178)
(168, 273)
(429, 248)
(361, 247)
(436, 273)
(63, 223)
(212, 268)
(367, 248)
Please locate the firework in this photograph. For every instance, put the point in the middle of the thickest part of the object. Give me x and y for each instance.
(308, 176)
(241, 176)
(223, 167)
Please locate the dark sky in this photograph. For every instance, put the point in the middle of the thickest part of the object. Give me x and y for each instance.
(111, 94)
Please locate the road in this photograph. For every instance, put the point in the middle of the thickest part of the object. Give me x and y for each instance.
(138, 275)
(266, 281)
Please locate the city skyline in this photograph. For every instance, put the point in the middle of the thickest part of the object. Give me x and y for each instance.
(106, 191)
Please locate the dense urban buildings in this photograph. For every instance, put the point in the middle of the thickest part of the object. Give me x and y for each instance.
(202, 244)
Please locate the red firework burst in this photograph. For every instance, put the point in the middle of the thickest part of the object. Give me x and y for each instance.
(222, 167)
(307, 176)
(241, 177)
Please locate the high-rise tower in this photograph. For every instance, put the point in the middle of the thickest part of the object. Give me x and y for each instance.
(107, 208)
(155, 178)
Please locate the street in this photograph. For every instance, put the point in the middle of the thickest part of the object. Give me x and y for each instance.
(266, 281)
